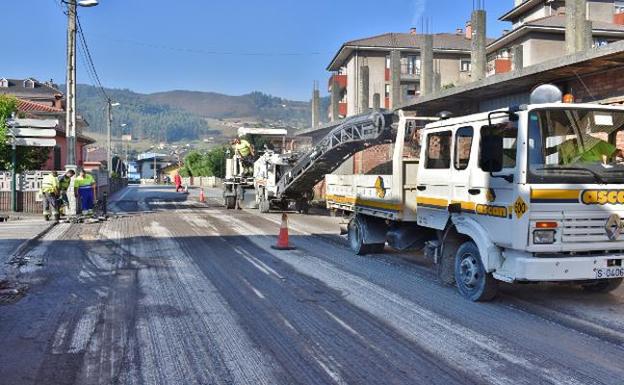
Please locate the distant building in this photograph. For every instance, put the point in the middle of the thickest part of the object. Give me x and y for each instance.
(151, 164)
(539, 30)
(451, 66)
(44, 101)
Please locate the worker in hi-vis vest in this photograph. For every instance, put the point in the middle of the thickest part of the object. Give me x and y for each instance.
(85, 183)
(50, 191)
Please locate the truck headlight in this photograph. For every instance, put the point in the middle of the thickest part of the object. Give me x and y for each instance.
(543, 237)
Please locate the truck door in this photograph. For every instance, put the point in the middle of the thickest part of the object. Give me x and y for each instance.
(434, 180)
(493, 196)
(462, 191)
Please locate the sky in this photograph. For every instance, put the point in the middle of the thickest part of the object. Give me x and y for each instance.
(278, 47)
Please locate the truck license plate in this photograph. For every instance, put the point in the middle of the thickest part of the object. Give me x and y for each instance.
(610, 272)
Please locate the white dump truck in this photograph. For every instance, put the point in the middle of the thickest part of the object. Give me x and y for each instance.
(533, 193)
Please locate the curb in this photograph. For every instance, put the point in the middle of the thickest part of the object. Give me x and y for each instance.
(24, 245)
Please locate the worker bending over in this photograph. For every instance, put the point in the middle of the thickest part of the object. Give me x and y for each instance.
(50, 191)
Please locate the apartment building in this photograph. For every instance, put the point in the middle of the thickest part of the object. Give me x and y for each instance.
(539, 31)
(364, 76)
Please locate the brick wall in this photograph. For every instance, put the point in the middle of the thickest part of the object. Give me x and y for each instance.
(605, 85)
(374, 160)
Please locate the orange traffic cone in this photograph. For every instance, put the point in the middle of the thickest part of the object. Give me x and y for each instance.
(202, 196)
(282, 238)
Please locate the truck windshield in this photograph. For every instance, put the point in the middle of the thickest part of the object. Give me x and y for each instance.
(576, 146)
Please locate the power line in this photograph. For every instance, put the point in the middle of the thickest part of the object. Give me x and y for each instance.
(89, 60)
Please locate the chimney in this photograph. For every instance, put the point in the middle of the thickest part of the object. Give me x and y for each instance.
(459, 31)
(58, 101)
(413, 31)
(316, 106)
(469, 30)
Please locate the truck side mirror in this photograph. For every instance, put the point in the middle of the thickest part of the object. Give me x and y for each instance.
(491, 153)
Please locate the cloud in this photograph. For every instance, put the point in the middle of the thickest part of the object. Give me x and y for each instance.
(418, 7)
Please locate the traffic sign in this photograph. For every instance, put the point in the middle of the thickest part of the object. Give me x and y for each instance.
(33, 132)
(34, 142)
(33, 123)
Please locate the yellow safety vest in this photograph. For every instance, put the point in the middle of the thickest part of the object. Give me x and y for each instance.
(50, 184)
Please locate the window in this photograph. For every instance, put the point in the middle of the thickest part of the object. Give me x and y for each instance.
(413, 65)
(4, 83)
(388, 61)
(29, 83)
(509, 132)
(463, 145)
(439, 150)
(387, 91)
(412, 90)
(464, 65)
(619, 6)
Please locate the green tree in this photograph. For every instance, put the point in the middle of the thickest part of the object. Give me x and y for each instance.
(211, 163)
(28, 158)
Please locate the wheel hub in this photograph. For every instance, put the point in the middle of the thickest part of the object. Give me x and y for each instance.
(469, 270)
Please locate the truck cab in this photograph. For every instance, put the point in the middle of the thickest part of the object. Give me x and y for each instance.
(525, 194)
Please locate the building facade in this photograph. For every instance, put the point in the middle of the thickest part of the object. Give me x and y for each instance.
(387, 70)
(43, 100)
(539, 27)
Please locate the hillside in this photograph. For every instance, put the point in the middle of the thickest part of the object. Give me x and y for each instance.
(188, 115)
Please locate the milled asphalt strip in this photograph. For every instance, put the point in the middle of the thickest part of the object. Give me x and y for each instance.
(461, 347)
(213, 320)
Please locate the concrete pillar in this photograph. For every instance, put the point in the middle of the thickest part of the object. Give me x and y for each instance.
(316, 107)
(478, 54)
(335, 99)
(376, 101)
(364, 90)
(582, 27)
(517, 52)
(426, 65)
(570, 28)
(395, 79)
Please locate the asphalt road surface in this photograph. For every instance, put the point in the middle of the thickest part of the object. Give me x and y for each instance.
(177, 292)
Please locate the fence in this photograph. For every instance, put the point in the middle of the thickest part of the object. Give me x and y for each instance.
(204, 181)
(29, 184)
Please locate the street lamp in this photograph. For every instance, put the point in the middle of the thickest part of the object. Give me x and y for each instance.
(109, 158)
(70, 114)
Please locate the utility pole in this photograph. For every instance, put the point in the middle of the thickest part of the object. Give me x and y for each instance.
(109, 155)
(70, 115)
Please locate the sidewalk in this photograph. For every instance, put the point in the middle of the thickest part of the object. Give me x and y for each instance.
(17, 231)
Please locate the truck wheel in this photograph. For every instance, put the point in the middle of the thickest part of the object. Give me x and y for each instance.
(603, 285)
(230, 202)
(473, 282)
(356, 239)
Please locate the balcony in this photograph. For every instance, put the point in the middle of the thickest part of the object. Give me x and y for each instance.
(342, 109)
(499, 66)
(340, 80)
(410, 73)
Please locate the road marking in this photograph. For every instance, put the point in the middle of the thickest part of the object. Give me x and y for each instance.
(341, 323)
(333, 374)
(257, 263)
